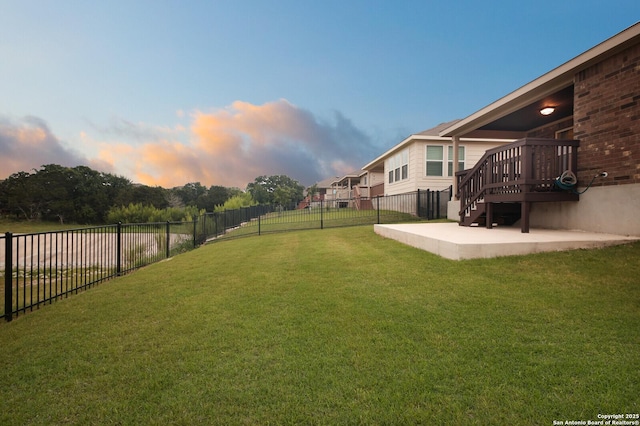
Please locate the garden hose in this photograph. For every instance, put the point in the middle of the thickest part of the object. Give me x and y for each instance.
(568, 180)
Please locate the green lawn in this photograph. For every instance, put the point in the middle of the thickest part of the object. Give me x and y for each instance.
(334, 326)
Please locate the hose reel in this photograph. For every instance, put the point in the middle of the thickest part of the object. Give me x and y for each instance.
(567, 181)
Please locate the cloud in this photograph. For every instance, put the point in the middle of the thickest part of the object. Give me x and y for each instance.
(120, 128)
(28, 143)
(228, 147)
(234, 145)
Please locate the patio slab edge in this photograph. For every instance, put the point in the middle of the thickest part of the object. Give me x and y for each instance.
(455, 242)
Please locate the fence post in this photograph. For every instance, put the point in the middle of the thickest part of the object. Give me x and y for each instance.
(418, 202)
(378, 208)
(167, 239)
(224, 221)
(259, 230)
(321, 214)
(8, 276)
(119, 250)
(195, 227)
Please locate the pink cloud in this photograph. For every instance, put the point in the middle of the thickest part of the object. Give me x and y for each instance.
(228, 147)
(234, 145)
(28, 143)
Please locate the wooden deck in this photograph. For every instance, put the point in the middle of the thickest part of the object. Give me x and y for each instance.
(515, 175)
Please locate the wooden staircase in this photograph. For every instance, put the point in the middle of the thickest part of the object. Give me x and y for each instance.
(500, 188)
(504, 214)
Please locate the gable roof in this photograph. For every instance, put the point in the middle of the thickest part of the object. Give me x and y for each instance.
(429, 134)
(435, 131)
(432, 134)
(548, 84)
(326, 183)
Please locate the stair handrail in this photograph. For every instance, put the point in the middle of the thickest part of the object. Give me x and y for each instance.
(517, 157)
(464, 177)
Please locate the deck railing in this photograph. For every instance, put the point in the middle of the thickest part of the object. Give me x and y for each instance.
(522, 171)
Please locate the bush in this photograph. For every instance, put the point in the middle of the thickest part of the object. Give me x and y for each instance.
(139, 213)
(236, 202)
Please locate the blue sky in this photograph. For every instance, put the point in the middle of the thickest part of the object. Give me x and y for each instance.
(220, 92)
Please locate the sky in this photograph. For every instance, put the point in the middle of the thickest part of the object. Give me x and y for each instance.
(220, 92)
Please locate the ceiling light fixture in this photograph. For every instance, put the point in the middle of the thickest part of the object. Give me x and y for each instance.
(547, 110)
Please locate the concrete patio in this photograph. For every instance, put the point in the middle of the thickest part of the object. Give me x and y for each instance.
(456, 242)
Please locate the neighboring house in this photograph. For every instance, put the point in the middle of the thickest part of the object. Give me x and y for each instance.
(423, 161)
(595, 99)
(343, 190)
(371, 183)
(336, 191)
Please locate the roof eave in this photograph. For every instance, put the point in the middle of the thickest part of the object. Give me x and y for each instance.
(544, 85)
(401, 145)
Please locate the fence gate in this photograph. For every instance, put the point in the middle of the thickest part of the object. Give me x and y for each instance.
(433, 204)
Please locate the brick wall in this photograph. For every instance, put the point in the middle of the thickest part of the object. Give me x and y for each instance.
(550, 130)
(607, 119)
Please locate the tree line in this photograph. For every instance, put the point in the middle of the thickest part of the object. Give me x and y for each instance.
(86, 196)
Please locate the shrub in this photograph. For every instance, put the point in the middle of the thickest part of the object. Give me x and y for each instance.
(139, 213)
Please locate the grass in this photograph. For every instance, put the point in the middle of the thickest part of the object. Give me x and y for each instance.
(334, 326)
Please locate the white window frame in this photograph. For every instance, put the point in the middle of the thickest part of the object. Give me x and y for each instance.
(398, 167)
(432, 160)
(446, 160)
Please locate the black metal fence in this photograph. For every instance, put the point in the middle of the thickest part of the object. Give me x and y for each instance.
(42, 267)
(256, 220)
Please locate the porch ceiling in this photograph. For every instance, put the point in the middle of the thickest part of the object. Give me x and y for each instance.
(519, 109)
(529, 117)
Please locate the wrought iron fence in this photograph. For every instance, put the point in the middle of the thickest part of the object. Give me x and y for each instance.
(422, 204)
(40, 268)
(43, 267)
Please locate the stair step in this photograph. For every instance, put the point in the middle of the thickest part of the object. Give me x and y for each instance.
(504, 214)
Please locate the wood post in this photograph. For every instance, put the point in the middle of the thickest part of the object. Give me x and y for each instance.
(524, 216)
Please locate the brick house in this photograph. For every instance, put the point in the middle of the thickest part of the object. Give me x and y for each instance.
(595, 100)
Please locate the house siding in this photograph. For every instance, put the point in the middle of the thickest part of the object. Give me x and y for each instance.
(418, 179)
(404, 185)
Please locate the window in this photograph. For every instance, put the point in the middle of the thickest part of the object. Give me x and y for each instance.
(391, 166)
(398, 166)
(434, 160)
(404, 163)
(565, 133)
(460, 160)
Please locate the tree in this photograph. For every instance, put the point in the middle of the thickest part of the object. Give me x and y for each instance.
(279, 189)
(190, 193)
(21, 195)
(215, 196)
(65, 194)
(155, 196)
(312, 191)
